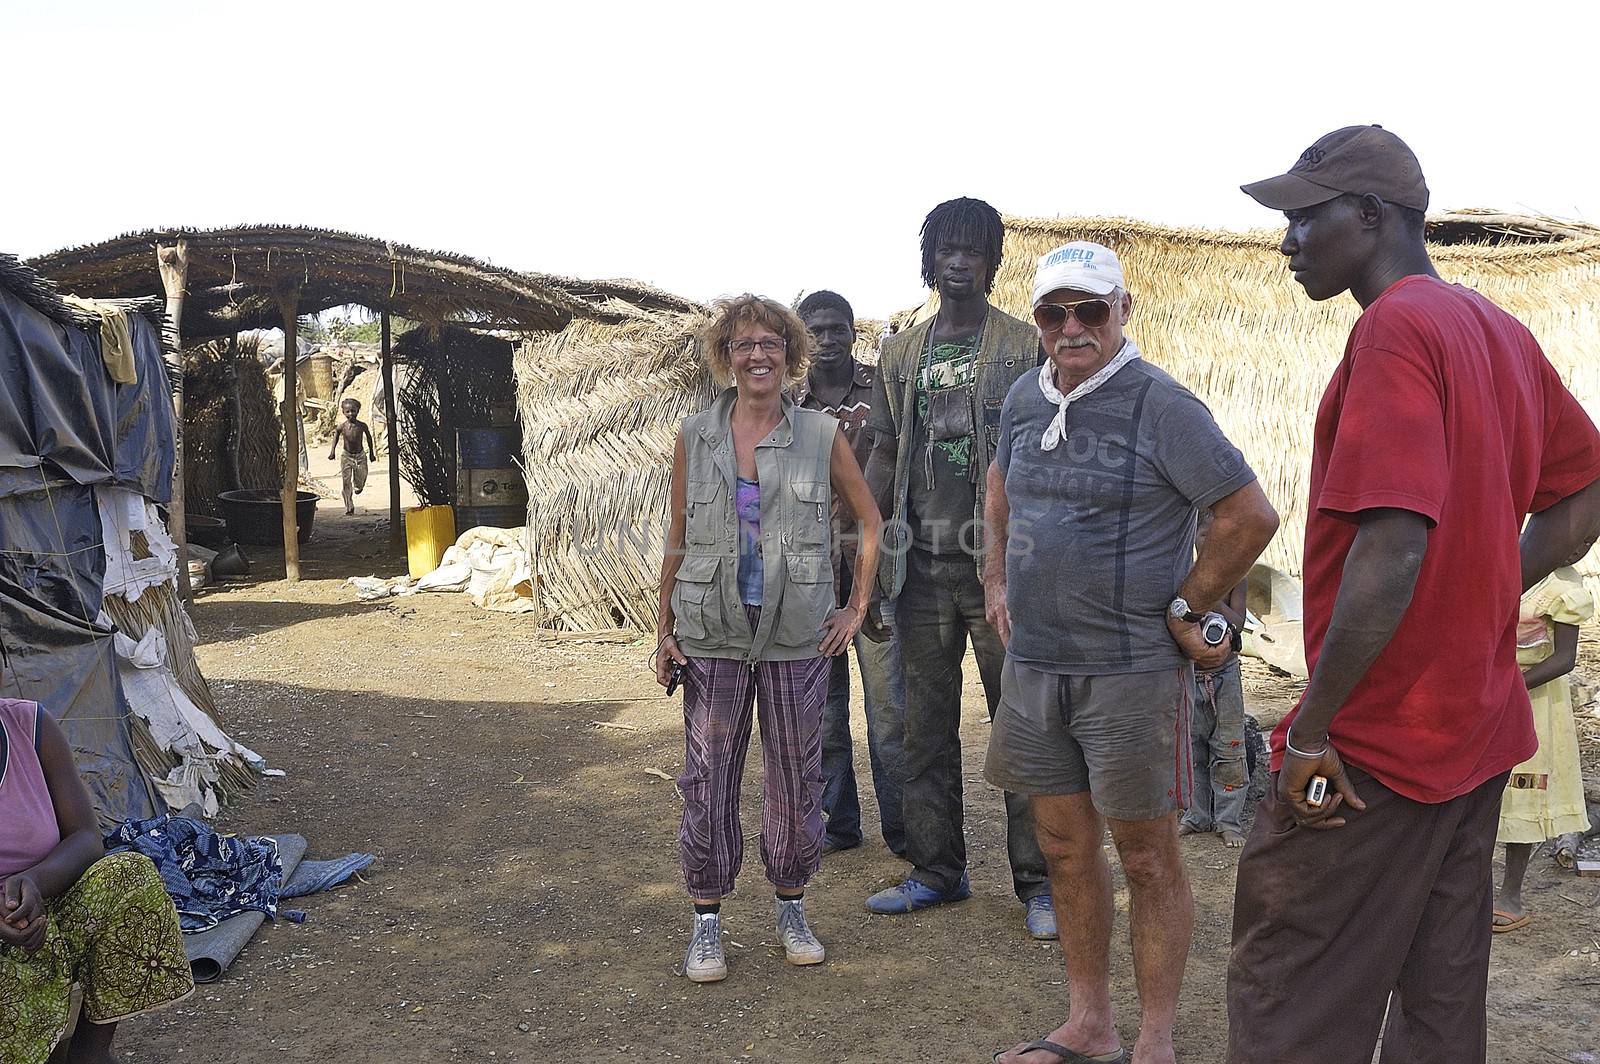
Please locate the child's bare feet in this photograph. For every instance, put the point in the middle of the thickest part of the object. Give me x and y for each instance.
(1232, 838)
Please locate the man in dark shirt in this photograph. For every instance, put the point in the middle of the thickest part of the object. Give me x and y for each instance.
(935, 417)
(839, 385)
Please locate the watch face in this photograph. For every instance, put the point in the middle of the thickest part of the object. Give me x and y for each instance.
(1178, 608)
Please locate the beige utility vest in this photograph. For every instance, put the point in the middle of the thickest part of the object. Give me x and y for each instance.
(792, 463)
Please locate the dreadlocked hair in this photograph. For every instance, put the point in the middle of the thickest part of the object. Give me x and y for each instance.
(826, 300)
(966, 221)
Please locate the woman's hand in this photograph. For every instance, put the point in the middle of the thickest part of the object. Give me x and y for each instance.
(22, 917)
(667, 655)
(840, 628)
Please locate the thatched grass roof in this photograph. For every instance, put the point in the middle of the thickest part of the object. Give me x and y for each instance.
(601, 403)
(1221, 313)
(233, 275)
(43, 295)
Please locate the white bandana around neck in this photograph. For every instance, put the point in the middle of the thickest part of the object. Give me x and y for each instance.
(1057, 429)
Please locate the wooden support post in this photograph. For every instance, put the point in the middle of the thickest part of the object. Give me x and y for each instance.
(397, 532)
(173, 262)
(289, 309)
(447, 415)
(234, 478)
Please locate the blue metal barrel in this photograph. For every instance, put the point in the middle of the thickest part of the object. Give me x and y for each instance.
(488, 448)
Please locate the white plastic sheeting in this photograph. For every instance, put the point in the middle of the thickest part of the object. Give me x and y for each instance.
(1277, 635)
(122, 513)
(369, 588)
(176, 724)
(491, 565)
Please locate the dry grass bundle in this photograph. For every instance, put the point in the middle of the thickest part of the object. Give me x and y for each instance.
(158, 607)
(869, 334)
(600, 407)
(231, 436)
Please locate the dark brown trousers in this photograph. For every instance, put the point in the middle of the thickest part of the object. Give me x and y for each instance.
(1327, 923)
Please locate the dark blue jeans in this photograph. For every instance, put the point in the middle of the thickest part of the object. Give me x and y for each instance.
(884, 697)
(938, 611)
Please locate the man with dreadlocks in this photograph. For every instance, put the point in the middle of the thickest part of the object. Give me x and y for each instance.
(935, 417)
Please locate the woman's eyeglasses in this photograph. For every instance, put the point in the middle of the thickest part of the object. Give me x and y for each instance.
(1091, 314)
(770, 345)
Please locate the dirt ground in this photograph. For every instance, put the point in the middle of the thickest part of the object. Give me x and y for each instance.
(527, 903)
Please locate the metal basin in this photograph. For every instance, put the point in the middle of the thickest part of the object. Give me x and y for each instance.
(255, 515)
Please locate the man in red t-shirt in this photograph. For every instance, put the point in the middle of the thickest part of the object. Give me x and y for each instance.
(1443, 426)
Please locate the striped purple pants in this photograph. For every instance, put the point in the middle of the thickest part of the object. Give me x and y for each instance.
(717, 698)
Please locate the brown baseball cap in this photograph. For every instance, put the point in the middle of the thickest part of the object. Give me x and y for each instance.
(1357, 159)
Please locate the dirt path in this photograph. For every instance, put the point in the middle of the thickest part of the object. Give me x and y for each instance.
(527, 903)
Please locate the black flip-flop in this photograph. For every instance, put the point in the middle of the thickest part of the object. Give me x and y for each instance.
(1069, 1056)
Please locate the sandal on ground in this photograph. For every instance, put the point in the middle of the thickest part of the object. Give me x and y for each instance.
(1513, 921)
(1070, 1056)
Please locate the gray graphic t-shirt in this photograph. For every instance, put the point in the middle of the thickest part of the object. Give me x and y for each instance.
(942, 494)
(1102, 527)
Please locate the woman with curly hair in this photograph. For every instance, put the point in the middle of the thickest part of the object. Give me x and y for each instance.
(747, 614)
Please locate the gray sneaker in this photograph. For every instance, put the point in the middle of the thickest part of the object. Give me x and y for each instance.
(800, 946)
(705, 961)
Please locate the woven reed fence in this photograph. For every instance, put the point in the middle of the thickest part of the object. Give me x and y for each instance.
(1221, 313)
(600, 407)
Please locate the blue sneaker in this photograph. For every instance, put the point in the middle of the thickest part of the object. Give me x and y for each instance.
(1039, 917)
(914, 894)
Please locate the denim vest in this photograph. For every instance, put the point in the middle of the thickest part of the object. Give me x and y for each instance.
(793, 464)
(1008, 349)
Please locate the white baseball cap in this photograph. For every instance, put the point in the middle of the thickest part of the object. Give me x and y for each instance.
(1081, 265)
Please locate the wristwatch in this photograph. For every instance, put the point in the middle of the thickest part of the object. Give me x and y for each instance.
(1180, 611)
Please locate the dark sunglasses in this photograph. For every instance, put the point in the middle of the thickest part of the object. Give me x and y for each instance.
(1091, 314)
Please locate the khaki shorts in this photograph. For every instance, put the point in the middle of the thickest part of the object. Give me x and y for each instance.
(1123, 737)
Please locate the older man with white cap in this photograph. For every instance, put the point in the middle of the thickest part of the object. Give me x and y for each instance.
(1102, 465)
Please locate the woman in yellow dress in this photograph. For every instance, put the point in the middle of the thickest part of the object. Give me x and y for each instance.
(1544, 796)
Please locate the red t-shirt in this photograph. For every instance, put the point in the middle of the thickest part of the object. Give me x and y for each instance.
(1443, 405)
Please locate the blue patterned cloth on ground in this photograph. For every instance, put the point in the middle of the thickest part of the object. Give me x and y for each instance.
(209, 877)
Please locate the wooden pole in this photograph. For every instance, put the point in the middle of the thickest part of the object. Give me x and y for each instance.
(397, 534)
(230, 447)
(289, 308)
(447, 414)
(173, 262)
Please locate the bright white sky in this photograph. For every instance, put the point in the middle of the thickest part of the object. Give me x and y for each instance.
(712, 147)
